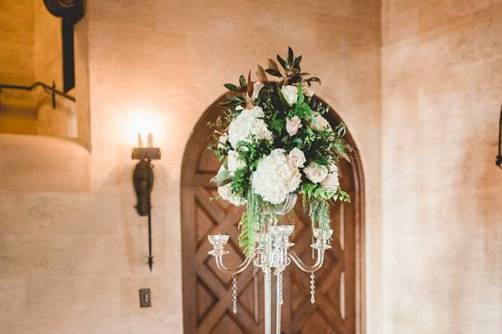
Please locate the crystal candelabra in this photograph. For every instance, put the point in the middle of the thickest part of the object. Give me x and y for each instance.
(272, 255)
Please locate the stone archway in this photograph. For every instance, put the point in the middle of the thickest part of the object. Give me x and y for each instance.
(206, 291)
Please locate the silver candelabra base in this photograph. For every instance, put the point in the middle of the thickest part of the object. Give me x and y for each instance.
(273, 254)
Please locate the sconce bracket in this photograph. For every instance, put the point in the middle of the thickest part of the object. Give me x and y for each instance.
(148, 153)
(143, 177)
(143, 185)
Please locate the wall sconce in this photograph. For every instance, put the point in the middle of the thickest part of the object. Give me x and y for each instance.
(498, 161)
(143, 184)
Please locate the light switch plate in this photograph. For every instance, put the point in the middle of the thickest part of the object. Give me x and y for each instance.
(145, 298)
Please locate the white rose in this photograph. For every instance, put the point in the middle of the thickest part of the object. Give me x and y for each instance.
(315, 172)
(248, 123)
(331, 182)
(296, 157)
(293, 125)
(257, 86)
(319, 123)
(275, 177)
(290, 93)
(222, 141)
(227, 194)
(234, 162)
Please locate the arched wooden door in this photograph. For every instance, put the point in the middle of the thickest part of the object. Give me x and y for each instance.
(207, 306)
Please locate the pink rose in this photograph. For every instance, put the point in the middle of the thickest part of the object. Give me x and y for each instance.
(293, 125)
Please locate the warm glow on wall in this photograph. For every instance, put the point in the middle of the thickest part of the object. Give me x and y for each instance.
(142, 122)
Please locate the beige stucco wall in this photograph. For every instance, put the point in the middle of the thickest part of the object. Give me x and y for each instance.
(442, 193)
(72, 261)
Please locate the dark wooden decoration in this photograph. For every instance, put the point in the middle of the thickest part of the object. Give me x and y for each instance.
(207, 291)
(71, 11)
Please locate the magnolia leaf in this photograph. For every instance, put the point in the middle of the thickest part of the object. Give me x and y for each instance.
(231, 87)
(273, 72)
(273, 65)
(261, 75)
(314, 79)
(242, 81)
(282, 62)
(296, 63)
(250, 85)
(290, 56)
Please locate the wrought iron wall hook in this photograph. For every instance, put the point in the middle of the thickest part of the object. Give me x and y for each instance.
(143, 179)
(498, 160)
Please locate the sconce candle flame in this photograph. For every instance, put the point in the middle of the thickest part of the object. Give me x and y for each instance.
(149, 140)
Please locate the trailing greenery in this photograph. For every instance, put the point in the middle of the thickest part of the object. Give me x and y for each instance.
(250, 223)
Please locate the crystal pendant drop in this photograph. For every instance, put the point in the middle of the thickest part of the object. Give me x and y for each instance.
(234, 294)
(312, 288)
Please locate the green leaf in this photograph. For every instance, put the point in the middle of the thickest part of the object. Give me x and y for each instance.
(273, 65)
(314, 79)
(290, 56)
(273, 72)
(221, 177)
(300, 98)
(296, 63)
(341, 130)
(260, 74)
(341, 150)
(231, 87)
(282, 62)
(242, 81)
(277, 124)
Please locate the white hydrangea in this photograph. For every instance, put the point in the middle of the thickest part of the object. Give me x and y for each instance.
(246, 124)
(319, 123)
(290, 93)
(332, 181)
(296, 157)
(275, 178)
(315, 172)
(234, 162)
(227, 194)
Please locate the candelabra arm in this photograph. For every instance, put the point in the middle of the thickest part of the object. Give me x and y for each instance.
(236, 270)
(308, 268)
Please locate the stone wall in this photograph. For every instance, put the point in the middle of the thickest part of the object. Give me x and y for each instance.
(17, 108)
(73, 261)
(442, 193)
(30, 51)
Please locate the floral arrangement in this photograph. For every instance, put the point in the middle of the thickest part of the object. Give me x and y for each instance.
(275, 144)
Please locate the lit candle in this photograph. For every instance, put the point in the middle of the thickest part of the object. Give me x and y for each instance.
(140, 141)
(150, 140)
